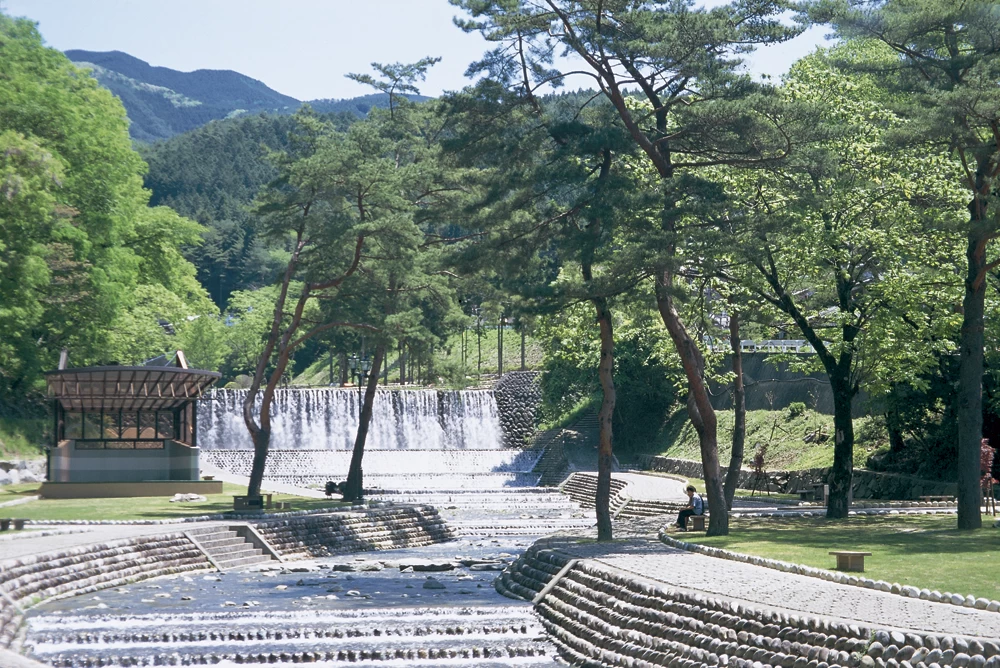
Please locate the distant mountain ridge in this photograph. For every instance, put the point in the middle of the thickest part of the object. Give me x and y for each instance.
(162, 102)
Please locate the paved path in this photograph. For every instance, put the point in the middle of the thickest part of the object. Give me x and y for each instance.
(786, 591)
(642, 487)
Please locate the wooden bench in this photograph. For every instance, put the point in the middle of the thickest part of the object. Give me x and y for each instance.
(848, 560)
(251, 502)
(5, 524)
(806, 494)
(946, 498)
(696, 523)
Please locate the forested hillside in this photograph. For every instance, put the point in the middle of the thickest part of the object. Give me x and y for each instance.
(162, 102)
(211, 174)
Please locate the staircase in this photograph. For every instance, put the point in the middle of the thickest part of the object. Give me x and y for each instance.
(226, 548)
(582, 488)
(551, 466)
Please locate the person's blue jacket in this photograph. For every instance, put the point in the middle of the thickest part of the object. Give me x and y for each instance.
(698, 504)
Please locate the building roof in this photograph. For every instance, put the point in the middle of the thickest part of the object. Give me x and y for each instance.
(127, 388)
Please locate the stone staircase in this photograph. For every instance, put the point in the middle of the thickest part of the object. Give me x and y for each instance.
(226, 548)
(552, 465)
(600, 616)
(582, 488)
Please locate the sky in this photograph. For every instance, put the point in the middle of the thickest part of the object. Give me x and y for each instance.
(301, 48)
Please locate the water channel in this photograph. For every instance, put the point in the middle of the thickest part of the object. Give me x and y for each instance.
(429, 606)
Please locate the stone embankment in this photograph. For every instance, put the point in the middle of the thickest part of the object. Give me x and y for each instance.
(598, 615)
(518, 396)
(31, 580)
(326, 535)
(866, 484)
(627, 501)
(28, 581)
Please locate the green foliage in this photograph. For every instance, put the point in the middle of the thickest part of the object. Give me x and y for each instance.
(23, 437)
(795, 409)
(786, 439)
(84, 262)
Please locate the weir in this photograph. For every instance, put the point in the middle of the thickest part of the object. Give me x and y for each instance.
(418, 439)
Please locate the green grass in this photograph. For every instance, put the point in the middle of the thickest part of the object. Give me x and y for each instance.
(783, 434)
(923, 551)
(22, 438)
(137, 508)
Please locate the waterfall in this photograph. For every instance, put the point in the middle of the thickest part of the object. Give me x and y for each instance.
(327, 419)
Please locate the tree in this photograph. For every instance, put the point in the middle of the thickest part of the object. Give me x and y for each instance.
(945, 68)
(699, 111)
(842, 246)
(81, 252)
(305, 208)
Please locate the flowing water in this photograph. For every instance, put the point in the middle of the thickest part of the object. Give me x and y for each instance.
(379, 609)
(327, 419)
(417, 439)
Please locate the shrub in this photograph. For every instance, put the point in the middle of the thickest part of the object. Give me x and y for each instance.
(795, 409)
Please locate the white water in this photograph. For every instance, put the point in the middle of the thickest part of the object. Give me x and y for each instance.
(327, 419)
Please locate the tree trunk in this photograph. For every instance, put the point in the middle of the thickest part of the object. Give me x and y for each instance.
(500, 347)
(605, 371)
(739, 412)
(699, 406)
(842, 473)
(261, 443)
(523, 366)
(354, 488)
(342, 362)
(402, 363)
(970, 384)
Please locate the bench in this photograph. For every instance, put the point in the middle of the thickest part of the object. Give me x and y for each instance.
(251, 502)
(848, 560)
(806, 494)
(5, 524)
(696, 523)
(944, 497)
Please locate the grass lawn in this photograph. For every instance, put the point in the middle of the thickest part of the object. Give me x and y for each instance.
(784, 434)
(136, 508)
(925, 551)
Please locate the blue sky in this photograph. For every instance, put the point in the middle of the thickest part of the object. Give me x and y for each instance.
(301, 48)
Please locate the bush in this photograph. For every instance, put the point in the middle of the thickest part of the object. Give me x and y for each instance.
(795, 409)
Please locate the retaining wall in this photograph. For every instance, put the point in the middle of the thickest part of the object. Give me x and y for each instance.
(29, 581)
(325, 535)
(599, 616)
(518, 396)
(865, 485)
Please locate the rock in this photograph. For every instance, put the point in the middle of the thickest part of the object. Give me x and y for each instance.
(186, 498)
(431, 583)
(335, 589)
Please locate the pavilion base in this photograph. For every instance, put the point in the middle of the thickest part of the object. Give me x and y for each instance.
(104, 490)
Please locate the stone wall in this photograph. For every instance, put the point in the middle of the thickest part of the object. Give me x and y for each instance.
(866, 484)
(600, 616)
(28, 581)
(383, 529)
(518, 396)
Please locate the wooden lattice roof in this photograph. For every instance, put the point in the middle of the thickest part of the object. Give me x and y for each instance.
(127, 388)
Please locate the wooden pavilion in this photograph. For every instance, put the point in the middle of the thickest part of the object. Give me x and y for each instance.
(126, 430)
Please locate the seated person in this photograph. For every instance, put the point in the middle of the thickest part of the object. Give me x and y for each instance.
(696, 506)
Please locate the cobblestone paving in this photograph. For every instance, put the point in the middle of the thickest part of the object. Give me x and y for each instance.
(786, 591)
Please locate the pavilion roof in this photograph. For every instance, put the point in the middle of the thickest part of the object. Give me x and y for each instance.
(127, 388)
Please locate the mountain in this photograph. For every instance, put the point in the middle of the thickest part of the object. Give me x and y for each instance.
(162, 102)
